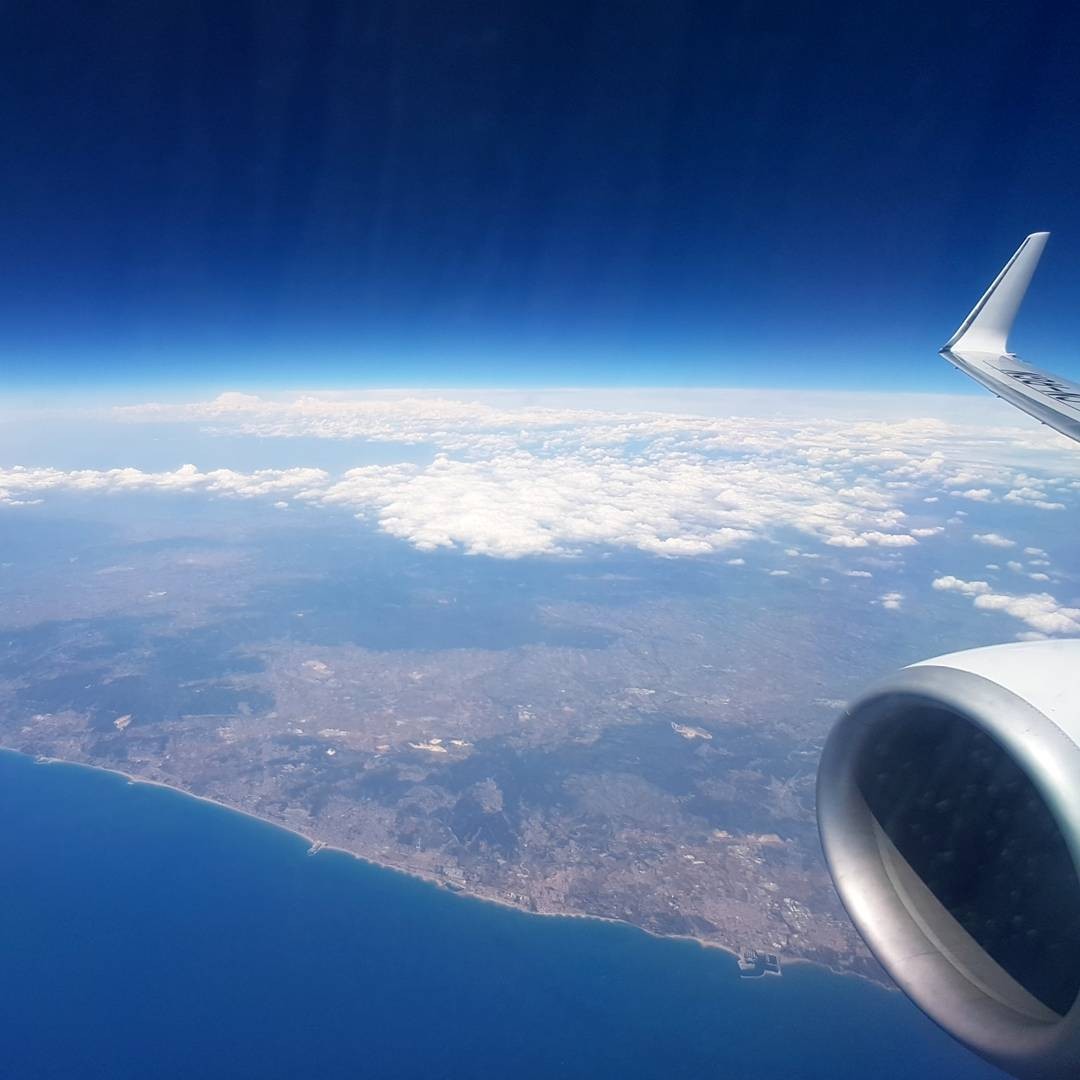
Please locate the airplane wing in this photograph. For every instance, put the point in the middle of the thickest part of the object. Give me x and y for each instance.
(980, 348)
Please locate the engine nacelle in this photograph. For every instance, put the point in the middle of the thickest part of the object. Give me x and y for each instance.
(949, 808)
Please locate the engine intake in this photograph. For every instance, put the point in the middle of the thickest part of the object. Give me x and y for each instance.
(949, 808)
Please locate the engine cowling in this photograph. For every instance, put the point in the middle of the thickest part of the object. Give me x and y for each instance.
(949, 809)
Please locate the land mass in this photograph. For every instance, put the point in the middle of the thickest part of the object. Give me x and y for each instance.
(601, 746)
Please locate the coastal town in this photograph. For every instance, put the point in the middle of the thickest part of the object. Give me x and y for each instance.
(584, 774)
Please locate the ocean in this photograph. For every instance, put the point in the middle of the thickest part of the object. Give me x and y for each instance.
(147, 934)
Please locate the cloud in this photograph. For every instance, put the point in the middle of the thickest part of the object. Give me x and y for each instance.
(1040, 611)
(1025, 494)
(511, 480)
(860, 540)
(993, 540)
(890, 539)
(974, 494)
(1030, 496)
(521, 504)
(892, 601)
(187, 478)
(954, 584)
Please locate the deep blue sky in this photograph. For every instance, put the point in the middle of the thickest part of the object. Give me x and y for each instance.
(554, 192)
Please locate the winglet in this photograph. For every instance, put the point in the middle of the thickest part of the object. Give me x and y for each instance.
(986, 329)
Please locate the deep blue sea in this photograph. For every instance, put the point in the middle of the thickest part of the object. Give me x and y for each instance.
(145, 934)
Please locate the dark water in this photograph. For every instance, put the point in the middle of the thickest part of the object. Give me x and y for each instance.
(145, 934)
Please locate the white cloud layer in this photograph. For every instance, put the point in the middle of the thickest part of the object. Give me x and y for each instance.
(21, 484)
(530, 480)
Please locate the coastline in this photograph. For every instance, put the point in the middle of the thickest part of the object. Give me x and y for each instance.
(316, 846)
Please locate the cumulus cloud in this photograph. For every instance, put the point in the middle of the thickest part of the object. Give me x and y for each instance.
(948, 583)
(993, 540)
(846, 539)
(667, 502)
(510, 481)
(892, 601)
(1040, 611)
(1030, 496)
(19, 481)
(1025, 494)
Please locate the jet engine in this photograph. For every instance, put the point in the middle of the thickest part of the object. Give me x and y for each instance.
(949, 809)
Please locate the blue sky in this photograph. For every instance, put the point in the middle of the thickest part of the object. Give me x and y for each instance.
(333, 194)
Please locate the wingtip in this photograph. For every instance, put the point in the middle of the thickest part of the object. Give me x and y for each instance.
(986, 329)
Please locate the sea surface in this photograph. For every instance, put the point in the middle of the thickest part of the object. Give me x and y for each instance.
(147, 934)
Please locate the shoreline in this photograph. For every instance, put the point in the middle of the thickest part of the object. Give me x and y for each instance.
(453, 889)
